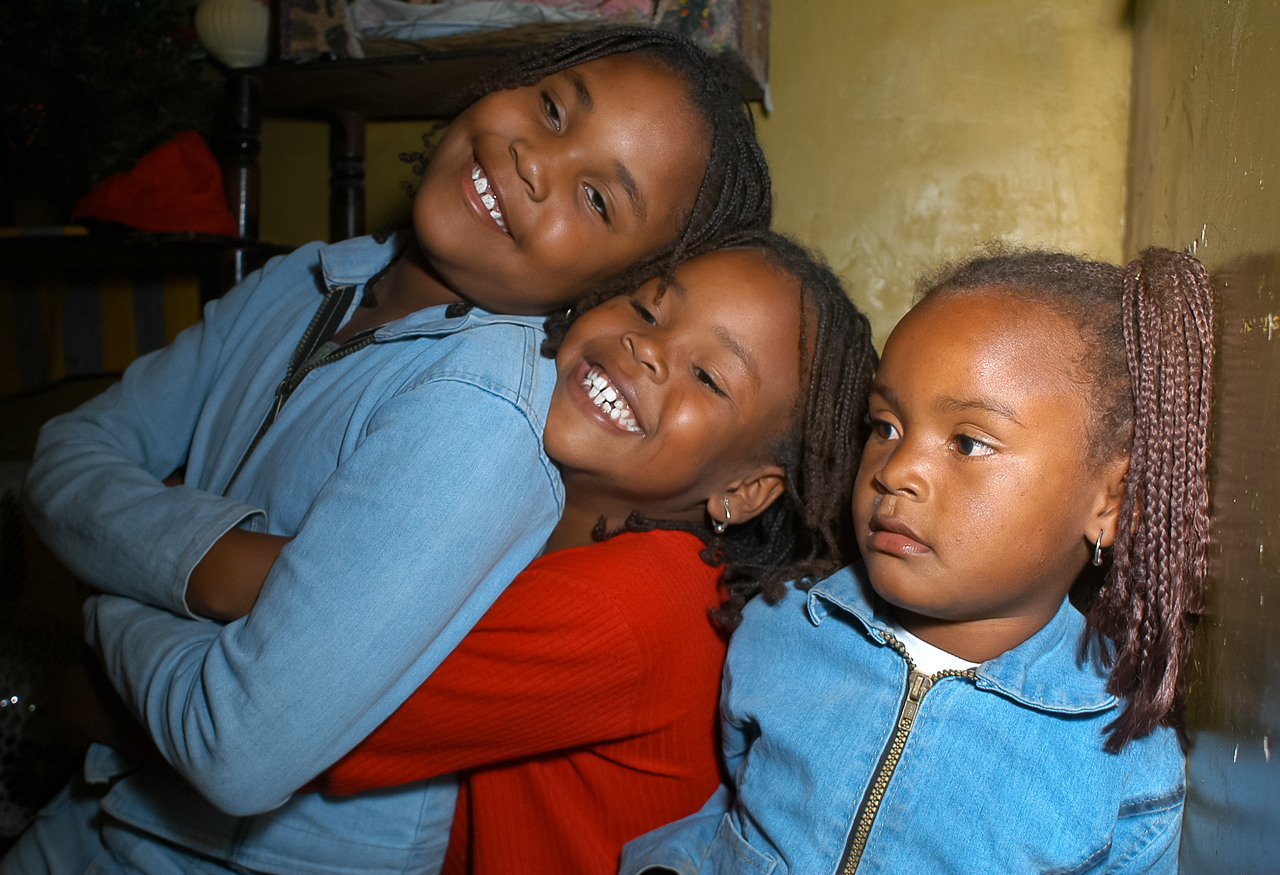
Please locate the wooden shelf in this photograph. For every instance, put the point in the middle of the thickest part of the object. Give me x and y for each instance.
(429, 84)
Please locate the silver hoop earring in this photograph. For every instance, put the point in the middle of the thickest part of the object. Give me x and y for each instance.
(721, 526)
(1097, 550)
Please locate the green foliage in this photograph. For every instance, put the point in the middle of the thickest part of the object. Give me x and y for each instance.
(90, 86)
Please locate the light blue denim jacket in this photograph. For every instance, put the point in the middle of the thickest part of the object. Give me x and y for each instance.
(1002, 769)
(411, 474)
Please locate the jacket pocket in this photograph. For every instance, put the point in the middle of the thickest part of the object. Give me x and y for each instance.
(731, 854)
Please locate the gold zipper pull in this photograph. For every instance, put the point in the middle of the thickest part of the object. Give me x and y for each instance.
(917, 685)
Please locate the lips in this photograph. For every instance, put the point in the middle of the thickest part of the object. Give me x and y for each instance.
(891, 535)
(487, 196)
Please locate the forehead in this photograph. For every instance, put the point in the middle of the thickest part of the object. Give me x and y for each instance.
(738, 281)
(989, 342)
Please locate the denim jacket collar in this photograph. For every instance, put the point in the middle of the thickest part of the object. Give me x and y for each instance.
(1045, 672)
(352, 262)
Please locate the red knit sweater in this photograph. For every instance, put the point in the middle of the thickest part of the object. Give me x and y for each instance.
(582, 709)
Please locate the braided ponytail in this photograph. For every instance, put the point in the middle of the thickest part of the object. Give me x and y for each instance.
(1156, 585)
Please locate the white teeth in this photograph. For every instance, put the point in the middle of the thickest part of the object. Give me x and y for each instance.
(609, 400)
(487, 198)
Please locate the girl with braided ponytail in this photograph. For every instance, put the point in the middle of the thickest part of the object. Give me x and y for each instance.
(1039, 428)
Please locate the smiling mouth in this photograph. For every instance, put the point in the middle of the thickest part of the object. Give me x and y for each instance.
(487, 197)
(606, 397)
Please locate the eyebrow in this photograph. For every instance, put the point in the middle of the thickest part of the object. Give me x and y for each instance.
(580, 90)
(634, 195)
(956, 405)
(986, 404)
(729, 342)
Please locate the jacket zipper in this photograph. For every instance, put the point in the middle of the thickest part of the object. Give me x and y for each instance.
(918, 683)
(323, 326)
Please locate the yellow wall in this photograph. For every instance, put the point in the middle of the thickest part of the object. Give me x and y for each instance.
(295, 177)
(904, 133)
(1206, 176)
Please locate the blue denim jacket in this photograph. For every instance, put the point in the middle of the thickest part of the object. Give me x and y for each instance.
(1002, 769)
(411, 474)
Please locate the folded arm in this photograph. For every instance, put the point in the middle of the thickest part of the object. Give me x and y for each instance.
(399, 555)
(94, 492)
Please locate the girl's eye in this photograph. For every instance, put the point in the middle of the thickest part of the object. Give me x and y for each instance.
(552, 111)
(967, 446)
(643, 312)
(596, 199)
(707, 380)
(886, 431)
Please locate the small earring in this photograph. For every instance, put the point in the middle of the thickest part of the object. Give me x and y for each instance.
(721, 526)
(1097, 550)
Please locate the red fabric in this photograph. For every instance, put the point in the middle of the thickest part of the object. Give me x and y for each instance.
(583, 704)
(175, 187)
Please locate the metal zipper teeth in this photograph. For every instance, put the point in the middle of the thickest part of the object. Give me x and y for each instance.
(918, 684)
(286, 388)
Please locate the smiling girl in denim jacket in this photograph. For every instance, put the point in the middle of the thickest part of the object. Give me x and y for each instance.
(1039, 426)
(381, 404)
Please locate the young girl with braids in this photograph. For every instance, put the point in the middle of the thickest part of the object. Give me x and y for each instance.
(943, 707)
(380, 403)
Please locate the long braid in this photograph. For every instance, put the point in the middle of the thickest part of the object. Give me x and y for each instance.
(1156, 585)
(1149, 329)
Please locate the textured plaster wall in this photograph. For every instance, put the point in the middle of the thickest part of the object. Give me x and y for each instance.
(904, 133)
(1206, 176)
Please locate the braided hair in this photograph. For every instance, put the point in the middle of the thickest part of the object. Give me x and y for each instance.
(801, 535)
(1148, 329)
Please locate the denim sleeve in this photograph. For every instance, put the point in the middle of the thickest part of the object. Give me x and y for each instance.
(409, 542)
(94, 494)
(680, 846)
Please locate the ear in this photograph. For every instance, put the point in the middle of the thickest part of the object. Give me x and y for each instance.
(1104, 516)
(749, 497)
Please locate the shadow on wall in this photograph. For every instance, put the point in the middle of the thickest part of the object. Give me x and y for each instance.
(1233, 786)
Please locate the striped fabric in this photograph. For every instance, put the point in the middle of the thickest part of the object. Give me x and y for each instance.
(55, 325)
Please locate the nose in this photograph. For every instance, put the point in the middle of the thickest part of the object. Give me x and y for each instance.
(901, 471)
(531, 166)
(646, 350)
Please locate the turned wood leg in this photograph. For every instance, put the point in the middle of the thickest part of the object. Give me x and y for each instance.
(346, 176)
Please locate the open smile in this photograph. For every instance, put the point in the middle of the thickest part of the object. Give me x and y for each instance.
(488, 196)
(888, 534)
(608, 399)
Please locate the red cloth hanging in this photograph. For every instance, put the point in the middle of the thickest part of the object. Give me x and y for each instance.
(175, 187)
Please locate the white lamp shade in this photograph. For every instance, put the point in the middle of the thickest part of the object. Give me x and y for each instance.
(234, 31)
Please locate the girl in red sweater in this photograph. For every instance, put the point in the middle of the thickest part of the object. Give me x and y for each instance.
(707, 431)
(716, 421)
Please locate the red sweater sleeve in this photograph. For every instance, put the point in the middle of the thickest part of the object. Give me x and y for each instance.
(555, 664)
